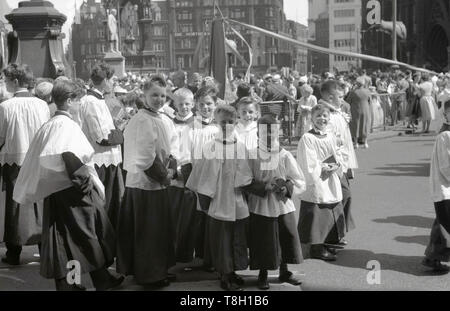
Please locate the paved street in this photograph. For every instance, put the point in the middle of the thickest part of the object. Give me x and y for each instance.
(394, 215)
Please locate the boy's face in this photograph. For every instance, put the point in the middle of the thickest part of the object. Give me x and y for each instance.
(226, 123)
(206, 107)
(335, 97)
(184, 106)
(321, 119)
(248, 113)
(155, 97)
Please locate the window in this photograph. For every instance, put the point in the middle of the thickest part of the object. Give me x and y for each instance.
(237, 13)
(180, 61)
(158, 46)
(83, 49)
(159, 62)
(344, 13)
(344, 43)
(184, 15)
(185, 28)
(158, 31)
(344, 28)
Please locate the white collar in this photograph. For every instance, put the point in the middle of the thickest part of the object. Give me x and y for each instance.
(190, 114)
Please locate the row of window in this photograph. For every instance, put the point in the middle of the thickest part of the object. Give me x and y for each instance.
(344, 13)
(340, 58)
(344, 28)
(344, 43)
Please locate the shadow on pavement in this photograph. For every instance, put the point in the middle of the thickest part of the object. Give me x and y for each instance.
(417, 239)
(408, 221)
(404, 169)
(359, 258)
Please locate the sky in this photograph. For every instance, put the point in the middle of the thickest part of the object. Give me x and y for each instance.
(295, 10)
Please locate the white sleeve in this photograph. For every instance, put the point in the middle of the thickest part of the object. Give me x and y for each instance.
(443, 155)
(307, 159)
(294, 173)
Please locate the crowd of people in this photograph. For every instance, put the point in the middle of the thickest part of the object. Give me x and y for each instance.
(150, 171)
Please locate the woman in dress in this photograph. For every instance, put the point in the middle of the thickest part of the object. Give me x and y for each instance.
(427, 102)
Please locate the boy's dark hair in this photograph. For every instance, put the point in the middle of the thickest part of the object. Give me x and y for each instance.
(329, 87)
(155, 80)
(22, 73)
(98, 75)
(319, 108)
(226, 109)
(447, 105)
(63, 90)
(243, 90)
(245, 101)
(207, 91)
(268, 119)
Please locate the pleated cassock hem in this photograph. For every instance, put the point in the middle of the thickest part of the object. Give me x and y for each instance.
(320, 223)
(439, 246)
(145, 242)
(76, 227)
(228, 245)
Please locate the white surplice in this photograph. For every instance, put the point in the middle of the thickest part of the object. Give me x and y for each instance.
(20, 119)
(97, 123)
(147, 135)
(265, 168)
(43, 171)
(221, 179)
(313, 150)
(440, 168)
(248, 134)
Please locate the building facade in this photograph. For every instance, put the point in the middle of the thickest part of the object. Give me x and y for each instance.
(427, 42)
(88, 37)
(176, 35)
(334, 24)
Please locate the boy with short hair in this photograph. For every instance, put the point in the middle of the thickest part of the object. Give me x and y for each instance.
(98, 126)
(321, 212)
(183, 201)
(217, 180)
(332, 97)
(249, 112)
(75, 224)
(20, 119)
(274, 241)
(438, 249)
(145, 242)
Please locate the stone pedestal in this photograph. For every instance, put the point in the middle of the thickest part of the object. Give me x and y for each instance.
(37, 38)
(117, 62)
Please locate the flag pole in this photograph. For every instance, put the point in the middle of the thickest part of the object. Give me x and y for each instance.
(394, 30)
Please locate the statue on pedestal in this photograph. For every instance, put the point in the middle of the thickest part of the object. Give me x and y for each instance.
(113, 31)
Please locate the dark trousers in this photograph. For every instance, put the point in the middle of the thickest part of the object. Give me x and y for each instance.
(347, 203)
(14, 251)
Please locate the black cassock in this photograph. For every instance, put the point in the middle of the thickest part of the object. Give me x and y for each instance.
(76, 227)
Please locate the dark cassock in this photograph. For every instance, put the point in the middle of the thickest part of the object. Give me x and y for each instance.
(20, 118)
(183, 201)
(145, 241)
(58, 170)
(98, 126)
(217, 181)
(321, 211)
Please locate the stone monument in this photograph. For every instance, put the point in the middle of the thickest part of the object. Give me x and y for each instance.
(114, 57)
(37, 38)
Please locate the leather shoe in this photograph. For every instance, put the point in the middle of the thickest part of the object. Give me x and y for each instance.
(263, 283)
(332, 250)
(288, 277)
(436, 265)
(237, 279)
(171, 277)
(113, 283)
(11, 261)
(230, 286)
(324, 254)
